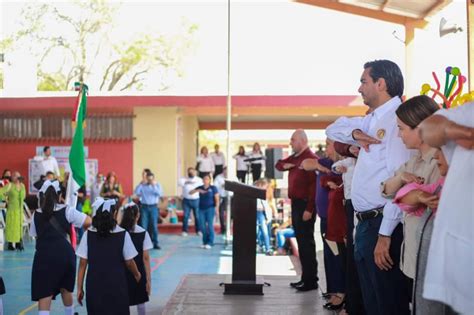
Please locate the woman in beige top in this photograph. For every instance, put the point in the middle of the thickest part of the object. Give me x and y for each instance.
(421, 168)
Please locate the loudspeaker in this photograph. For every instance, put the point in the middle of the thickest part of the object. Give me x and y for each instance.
(272, 156)
(446, 28)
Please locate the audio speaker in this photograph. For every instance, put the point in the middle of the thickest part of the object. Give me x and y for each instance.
(272, 156)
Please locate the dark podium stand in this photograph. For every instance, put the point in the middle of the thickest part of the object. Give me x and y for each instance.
(244, 255)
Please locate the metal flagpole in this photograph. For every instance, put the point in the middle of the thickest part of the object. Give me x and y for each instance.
(228, 124)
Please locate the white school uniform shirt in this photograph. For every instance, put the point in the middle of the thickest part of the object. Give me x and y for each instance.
(189, 184)
(50, 164)
(349, 163)
(241, 164)
(72, 216)
(206, 164)
(378, 164)
(147, 244)
(129, 251)
(449, 272)
(218, 159)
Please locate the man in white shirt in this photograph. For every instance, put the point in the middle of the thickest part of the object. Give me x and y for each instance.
(449, 278)
(49, 162)
(190, 201)
(379, 233)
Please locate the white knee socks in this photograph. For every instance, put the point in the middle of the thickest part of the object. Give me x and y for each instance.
(141, 309)
(43, 312)
(69, 310)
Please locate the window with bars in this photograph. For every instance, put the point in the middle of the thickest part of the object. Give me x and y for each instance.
(56, 127)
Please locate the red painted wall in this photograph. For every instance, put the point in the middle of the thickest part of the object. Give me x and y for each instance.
(112, 156)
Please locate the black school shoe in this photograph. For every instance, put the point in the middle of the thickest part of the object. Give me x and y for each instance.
(307, 287)
(296, 284)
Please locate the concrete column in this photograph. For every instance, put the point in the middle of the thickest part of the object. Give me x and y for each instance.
(470, 42)
(409, 60)
(189, 130)
(156, 146)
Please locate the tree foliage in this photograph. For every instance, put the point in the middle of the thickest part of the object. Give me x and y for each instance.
(74, 38)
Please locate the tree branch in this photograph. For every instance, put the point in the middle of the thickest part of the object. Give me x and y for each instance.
(134, 80)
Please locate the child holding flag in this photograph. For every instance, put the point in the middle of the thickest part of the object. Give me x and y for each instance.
(54, 264)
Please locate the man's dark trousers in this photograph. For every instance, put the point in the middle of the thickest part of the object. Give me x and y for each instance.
(304, 232)
(384, 292)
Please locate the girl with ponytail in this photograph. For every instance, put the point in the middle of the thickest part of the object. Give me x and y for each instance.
(104, 249)
(54, 264)
(138, 293)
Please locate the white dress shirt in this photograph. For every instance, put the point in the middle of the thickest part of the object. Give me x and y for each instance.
(50, 164)
(129, 251)
(377, 165)
(349, 163)
(241, 164)
(219, 182)
(449, 272)
(206, 164)
(188, 184)
(218, 158)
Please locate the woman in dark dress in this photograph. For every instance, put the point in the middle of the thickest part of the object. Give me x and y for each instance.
(54, 264)
(138, 293)
(106, 248)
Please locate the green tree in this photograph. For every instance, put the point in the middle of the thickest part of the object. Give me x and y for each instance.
(75, 37)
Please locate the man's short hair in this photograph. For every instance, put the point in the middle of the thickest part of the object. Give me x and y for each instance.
(50, 173)
(390, 72)
(46, 148)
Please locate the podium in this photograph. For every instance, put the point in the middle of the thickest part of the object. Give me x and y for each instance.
(244, 254)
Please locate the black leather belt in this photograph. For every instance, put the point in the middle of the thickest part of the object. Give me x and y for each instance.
(370, 214)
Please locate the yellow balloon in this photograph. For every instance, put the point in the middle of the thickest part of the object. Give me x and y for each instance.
(425, 88)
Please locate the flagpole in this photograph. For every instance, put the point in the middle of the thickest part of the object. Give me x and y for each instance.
(228, 125)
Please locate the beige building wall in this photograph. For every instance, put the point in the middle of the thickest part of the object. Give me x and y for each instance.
(189, 130)
(156, 145)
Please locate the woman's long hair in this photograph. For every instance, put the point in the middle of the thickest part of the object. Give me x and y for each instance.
(416, 109)
(130, 215)
(104, 221)
(48, 201)
(241, 151)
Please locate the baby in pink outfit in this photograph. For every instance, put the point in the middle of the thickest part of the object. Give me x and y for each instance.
(414, 198)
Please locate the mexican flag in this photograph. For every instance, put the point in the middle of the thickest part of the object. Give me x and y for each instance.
(77, 162)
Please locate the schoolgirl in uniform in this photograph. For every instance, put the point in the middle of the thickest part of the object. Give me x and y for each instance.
(106, 249)
(54, 264)
(138, 293)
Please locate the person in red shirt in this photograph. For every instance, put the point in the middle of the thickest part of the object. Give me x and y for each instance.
(301, 191)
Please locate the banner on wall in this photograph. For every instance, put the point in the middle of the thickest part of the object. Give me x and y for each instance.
(35, 170)
(60, 152)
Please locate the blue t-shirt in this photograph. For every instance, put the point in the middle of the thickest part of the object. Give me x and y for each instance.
(206, 200)
(322, 193)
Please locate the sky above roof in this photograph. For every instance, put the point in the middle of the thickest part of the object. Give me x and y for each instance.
(281, 47)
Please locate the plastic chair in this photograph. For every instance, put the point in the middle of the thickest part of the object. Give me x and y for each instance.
(27, 218)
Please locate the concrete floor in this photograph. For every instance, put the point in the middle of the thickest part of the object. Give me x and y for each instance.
(179, 257)
(201, 294)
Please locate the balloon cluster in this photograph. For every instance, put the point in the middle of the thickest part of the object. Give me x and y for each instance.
(451, 96)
